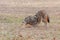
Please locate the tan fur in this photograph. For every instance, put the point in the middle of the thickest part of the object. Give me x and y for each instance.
(40, 16)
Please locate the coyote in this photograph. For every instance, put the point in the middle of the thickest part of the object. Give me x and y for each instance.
(37, 18)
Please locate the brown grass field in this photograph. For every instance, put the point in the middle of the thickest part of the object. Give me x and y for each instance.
(11, 17)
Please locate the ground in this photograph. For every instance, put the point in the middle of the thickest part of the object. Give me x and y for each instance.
(11, 29)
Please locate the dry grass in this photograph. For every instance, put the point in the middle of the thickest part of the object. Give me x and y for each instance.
(10, 28)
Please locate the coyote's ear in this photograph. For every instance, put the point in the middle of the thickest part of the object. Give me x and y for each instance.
(48, 19)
